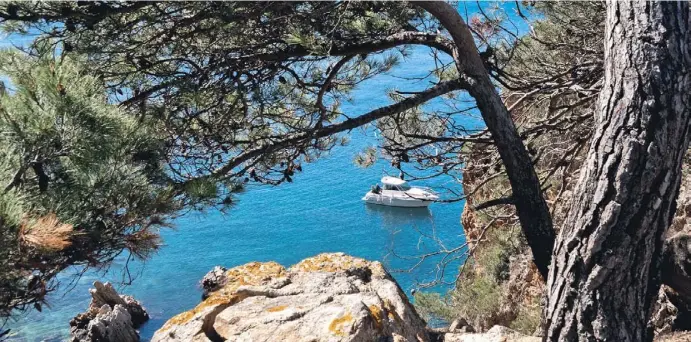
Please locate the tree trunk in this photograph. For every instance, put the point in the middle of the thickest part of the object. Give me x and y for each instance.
(606, 268)
(531, 207)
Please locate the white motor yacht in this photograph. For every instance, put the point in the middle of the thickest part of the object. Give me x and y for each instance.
(396, 192)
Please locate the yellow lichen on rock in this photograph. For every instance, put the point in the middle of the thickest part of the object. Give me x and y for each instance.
(277, 308)
(329, 297)
(213, 300)
(337, 262)
(329, 262)
(337, 326)
(253, 273)
(377, 314)
(391, 310)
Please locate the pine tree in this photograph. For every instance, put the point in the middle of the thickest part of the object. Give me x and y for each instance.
(84, 181)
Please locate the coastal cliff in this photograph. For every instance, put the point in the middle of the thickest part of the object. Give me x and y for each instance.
(328, 297)
(501, 266)
(500, 284)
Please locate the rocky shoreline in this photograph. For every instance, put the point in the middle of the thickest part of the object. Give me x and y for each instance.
(328, 297)
(110, 317)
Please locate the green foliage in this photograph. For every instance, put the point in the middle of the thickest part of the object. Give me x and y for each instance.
(56, 125)
(567, 37)
(528, 318)
(86, 167)
(202, 189)
(432, 305)
(478, 295)
(478, 298)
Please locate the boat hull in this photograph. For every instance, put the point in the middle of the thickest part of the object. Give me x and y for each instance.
(395, 201)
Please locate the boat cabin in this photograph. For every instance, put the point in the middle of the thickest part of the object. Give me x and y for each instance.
(394, 184)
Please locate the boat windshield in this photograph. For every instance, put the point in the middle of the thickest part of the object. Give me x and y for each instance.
(398, 187)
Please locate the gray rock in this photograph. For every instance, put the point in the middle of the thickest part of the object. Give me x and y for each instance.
(136, 310)
(498, 333)
(113, 325)
(213, 281)
(329, 297)
(109, 318)
(671, 312)
(461, 325)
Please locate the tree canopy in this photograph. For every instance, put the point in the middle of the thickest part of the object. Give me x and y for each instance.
(83, 180)
(243, 89)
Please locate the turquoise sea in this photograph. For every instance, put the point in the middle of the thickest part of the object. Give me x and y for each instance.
(320, 211)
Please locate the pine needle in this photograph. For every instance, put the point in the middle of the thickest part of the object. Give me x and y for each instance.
(46, 233)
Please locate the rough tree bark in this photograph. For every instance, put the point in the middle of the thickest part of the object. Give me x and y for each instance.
(531, 207)
(606, 268)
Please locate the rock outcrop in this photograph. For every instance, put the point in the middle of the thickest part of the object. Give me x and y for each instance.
(497, 333)
(110, 317)
(214, 280)
(672, 311)
(674, 337)
(329, 297)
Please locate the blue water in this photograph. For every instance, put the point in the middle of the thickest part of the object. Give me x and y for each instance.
(320, 211)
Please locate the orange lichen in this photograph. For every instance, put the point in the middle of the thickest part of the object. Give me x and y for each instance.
(179, 318)
(330, 262)
(391, 310)
(277, 308)
(378, 315)
(337, 325)
(253, 274)
(212, 301)
(260, 273)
